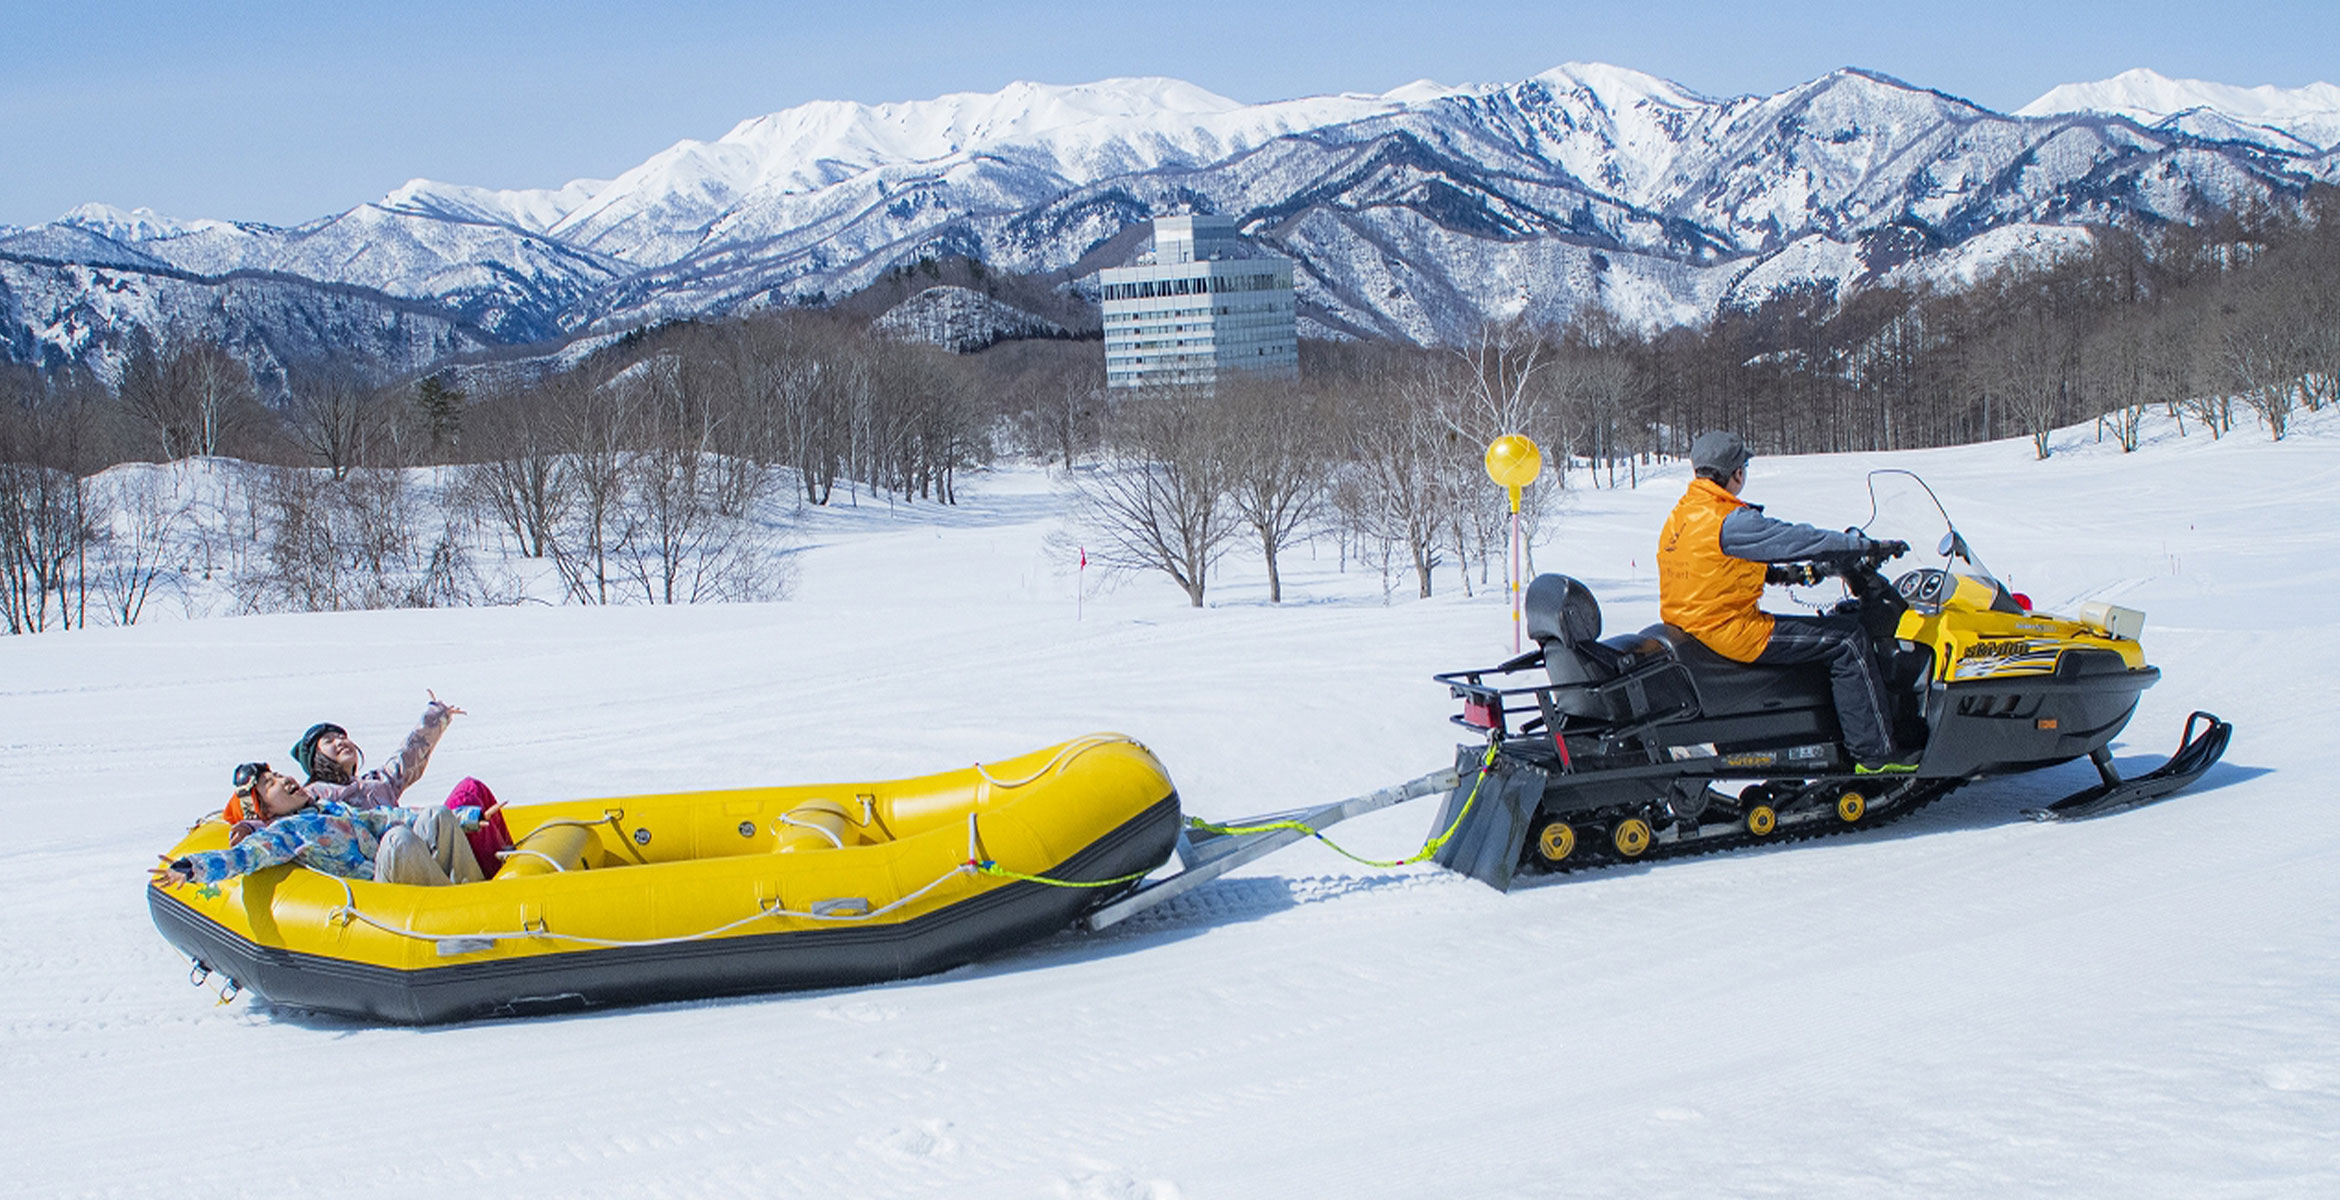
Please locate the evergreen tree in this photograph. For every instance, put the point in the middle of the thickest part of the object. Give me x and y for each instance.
(441, 409)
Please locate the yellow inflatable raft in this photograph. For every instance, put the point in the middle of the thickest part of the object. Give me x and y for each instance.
(661, 897)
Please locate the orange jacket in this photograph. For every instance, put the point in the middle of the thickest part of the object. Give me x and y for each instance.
(1706, 592)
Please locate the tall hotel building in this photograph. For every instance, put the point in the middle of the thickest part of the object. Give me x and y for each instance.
(1201, 303)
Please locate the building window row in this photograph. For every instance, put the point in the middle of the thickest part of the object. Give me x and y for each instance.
(1192, 286)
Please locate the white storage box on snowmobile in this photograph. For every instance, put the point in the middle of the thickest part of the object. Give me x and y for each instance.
(2113, 619)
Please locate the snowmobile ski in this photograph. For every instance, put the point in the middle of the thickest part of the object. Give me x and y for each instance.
(2196, 753)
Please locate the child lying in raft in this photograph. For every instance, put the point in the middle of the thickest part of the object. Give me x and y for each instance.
(387, 845)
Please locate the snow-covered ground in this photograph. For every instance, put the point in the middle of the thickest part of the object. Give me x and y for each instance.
(1964, 1004)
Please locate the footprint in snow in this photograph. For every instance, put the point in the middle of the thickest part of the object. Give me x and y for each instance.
(924, 1140)
(861, 1012)
(1116, 1185)
(908, 1062)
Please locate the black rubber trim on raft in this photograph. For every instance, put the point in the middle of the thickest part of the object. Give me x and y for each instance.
(813, 958)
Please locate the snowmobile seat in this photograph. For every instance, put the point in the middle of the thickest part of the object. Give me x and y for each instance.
(1565, 621)
(1728, 688)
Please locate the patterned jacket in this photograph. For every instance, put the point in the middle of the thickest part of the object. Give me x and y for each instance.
(334, 838)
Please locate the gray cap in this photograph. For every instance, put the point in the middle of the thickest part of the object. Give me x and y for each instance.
(1718, 451)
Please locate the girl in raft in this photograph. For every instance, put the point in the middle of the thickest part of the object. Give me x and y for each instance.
(332, 761)
(387, 845)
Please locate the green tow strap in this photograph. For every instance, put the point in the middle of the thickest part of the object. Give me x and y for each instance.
(990, 867)
(1429, 848)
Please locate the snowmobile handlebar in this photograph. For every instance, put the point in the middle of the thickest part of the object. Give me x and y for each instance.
(1814, 570)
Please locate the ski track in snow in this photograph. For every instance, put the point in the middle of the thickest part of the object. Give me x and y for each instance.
(1961, 1004)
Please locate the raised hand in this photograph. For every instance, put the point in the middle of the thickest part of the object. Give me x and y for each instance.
(165, 875)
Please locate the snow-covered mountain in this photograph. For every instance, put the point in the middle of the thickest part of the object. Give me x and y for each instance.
(2306, 116)
(1415, 213)
(960, 320)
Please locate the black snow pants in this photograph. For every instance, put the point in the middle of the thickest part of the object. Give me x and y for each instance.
(1852, 672)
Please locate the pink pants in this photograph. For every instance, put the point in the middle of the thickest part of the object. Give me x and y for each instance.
(491, 836)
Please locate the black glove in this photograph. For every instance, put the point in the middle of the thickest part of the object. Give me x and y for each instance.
(1802, 573)
(1887, 551)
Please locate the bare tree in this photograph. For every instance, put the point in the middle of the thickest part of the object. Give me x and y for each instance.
(693, 508)
(1156, 501)
(1397, 486)
(140, 523)
(1278, 460)
(2031, 368)
(332, 412)
(46, 526)
(597, 431)
(45, 535)
(517, 479)
(1058, 412)
(356, 543)
(193, 397)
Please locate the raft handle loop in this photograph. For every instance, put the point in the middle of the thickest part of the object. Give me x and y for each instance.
(615, 818)
(198, 973)
(228, 994)
(785, 819)
(518, 851)
(347, 912)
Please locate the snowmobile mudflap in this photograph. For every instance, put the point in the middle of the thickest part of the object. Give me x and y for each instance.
(2196, 753)
(1486, 845)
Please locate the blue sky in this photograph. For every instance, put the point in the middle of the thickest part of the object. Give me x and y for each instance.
(277, 111)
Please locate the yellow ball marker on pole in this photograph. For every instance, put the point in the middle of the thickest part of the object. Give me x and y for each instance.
(1514, 462)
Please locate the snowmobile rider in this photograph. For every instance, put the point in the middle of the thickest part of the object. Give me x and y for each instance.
(1711, 558)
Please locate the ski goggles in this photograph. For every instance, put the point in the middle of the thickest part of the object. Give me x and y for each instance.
(248, 777)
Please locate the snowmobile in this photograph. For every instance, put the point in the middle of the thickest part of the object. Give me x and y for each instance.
(1601, 750)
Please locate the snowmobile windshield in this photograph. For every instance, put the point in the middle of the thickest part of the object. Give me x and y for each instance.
(1903, 508)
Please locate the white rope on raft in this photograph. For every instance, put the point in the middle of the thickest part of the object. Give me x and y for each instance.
(349, 909)
(785, 819)
(523, 852)
(1064, 754)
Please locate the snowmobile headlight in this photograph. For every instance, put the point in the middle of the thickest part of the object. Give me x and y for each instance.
(2113, 620)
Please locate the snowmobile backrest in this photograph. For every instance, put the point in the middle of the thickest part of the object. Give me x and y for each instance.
(1559, 609)
(1565, 621)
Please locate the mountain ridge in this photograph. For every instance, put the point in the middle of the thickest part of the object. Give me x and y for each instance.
(1413, 213)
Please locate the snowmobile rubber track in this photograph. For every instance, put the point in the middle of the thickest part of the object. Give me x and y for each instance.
(1908, 798)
